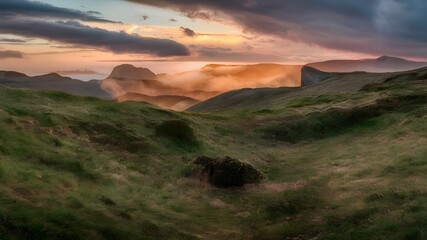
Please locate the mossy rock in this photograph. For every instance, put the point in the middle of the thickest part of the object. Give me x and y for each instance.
(228, 172)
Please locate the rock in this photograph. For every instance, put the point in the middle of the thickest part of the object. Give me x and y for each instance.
(228, 172)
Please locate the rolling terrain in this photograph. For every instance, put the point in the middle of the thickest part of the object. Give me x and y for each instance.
(343, 159)
(335, 83)
(53, 81)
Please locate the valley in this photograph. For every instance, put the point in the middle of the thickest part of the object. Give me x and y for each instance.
(341, 159)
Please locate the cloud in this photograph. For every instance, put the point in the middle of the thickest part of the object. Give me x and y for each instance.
(75, 33)
(188, 32)
(223, 78)
(77, 72)
(26, 8)
(145, 17)
(12, 40)
(94, 12)
(392, 27)
(11, 54)
(221, 54)
(40, 20)
(226, 55)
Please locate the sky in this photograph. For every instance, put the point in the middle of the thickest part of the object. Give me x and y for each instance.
(90, 37)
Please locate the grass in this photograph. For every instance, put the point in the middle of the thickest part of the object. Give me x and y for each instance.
(337, 166)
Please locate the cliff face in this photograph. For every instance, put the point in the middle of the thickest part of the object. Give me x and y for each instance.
(310, 76)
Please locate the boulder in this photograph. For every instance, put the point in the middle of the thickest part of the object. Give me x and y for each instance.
(227, 172)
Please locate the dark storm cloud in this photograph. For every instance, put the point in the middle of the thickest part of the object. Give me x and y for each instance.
(75, 33)
(11, 54)
(40, 20)
(188, 32)
(94, 12)
(26, 8)
(370, 26)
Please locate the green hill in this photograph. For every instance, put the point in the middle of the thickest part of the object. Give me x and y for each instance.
(345, 159)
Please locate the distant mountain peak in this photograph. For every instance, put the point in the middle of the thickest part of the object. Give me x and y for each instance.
(53, 75)
(130, 72)
(389, 58)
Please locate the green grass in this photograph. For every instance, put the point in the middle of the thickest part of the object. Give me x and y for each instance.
(337, 166)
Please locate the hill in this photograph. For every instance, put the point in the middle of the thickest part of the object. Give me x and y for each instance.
(177, 103)
(337, 83)
(53, 81)
(78, 167)
(381, 64)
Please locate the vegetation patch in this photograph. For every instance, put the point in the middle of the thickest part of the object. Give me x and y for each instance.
(393, 197)
(309, 101)
(334, 121)
(113, 135)
(72, 166)
(294, 202)
(408, 76)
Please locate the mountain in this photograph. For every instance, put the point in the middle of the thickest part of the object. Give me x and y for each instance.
(381, 64)
(130, 72)
(53, 81)
(127, 82)
(177, 103)
(342, 159)
(337, 83)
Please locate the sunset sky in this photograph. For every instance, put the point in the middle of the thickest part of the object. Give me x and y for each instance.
(178, 35)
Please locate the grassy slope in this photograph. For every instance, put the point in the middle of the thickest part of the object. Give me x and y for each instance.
(259, 98)
(76, 167)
